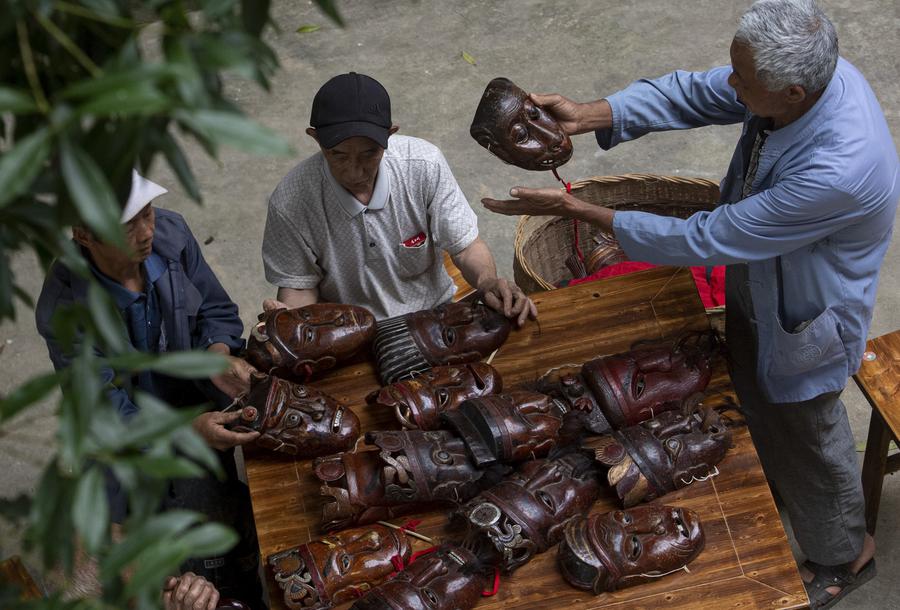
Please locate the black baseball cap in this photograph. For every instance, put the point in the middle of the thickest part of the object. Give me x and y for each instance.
(351, 105)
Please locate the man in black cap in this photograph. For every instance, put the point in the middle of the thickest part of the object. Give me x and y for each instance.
(363, 221)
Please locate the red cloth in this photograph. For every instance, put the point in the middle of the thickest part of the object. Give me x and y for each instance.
(712, 291)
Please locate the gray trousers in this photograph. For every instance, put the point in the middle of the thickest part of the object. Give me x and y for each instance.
(806, 448)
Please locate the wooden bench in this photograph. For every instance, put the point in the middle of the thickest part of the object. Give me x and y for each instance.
(879, 380)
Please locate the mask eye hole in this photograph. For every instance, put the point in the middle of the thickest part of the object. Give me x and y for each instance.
(635, 548)
(450, 336)
(443, 396)
(430, 597)
(292, 419)
(532, 112)
(547, 499)
(519, 133)
(639, 385)
(309, 335)
(345, 562)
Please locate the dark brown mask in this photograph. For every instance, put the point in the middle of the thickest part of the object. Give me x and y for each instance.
(517, 131)
(663, 454)
(508, 428)
(634, 386)
(454, 333)
(296, 343)
(410, 470)
(608, 551)
(338, 568)
(526, 513)
(449, 578)
(294, 418)
(418, 402)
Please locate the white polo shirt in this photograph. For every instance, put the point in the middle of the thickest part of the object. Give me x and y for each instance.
(384, 256)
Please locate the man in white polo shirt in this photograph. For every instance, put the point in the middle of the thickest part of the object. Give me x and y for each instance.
(364, 220)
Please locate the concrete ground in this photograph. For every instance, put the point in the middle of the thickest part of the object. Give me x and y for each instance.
(581, 48)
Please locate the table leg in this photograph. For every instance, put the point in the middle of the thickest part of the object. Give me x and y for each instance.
(873, 469)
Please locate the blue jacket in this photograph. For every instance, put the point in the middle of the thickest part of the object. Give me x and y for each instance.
(196, 311)
(823, 200)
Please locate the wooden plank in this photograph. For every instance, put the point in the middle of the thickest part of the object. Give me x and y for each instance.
(14, 572)
(746, 561)
(463, 288)
(879, 379)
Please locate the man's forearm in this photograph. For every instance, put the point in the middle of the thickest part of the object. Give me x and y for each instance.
(594, 214)
(476, 263)
(293, 297)
(594, 115)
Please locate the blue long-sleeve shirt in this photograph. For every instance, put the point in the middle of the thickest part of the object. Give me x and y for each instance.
(823, 200)
(194, 312)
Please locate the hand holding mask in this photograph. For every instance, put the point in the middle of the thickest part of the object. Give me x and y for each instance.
(294, 418)
(511, 126)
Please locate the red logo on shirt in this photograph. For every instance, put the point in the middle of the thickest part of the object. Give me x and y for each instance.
(415, 241)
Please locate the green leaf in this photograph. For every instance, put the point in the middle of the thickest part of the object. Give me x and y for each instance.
(208, 540)
(140, 536)
(198, 364)
(14, 100)
(91, 192)
(28, 393)
(165, 467)
(190, 444)
(306, 29)
(106, 317)
(469, 59)
(90, 512)
(155, 420)
(213, 9)
(330, 8)
(136, 98)
(20, 165)
(231, 129)
(110, 82)
(255, 16)
(179, 164)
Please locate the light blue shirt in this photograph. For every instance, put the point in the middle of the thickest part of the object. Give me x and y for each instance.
(823, 199)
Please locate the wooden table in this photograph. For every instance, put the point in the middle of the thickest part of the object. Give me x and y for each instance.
(747, 560)
(879, 380)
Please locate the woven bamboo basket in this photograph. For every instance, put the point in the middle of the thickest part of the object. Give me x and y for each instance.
(544, 242)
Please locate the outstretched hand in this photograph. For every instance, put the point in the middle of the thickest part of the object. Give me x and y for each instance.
(507, 298)
(536, 202)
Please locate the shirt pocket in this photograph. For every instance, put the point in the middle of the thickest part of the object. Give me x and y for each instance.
(816, 346)
(413, 262)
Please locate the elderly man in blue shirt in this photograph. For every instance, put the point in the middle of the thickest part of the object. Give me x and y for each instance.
(806, 214)
(170, 300)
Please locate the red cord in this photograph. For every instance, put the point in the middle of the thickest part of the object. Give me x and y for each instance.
(411, 525)
(568, 186)
(496, 588)
(418, 554)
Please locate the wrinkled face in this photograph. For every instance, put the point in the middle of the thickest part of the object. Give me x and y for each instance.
(296, 419)
(650, 539)
(457, 332)
(418, 402)
(354, 164)
(750, 90)
(517, 131)
(317, 336)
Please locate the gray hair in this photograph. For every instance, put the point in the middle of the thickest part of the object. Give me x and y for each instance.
(793, 43)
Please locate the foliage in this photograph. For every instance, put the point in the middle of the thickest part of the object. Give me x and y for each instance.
(87, 95)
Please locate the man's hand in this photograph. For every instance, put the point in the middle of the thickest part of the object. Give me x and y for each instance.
(189, 592)
(537, 202)
(507, 298)
(236, 378)
(272, 304)
(575, 117)
(211, 426)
